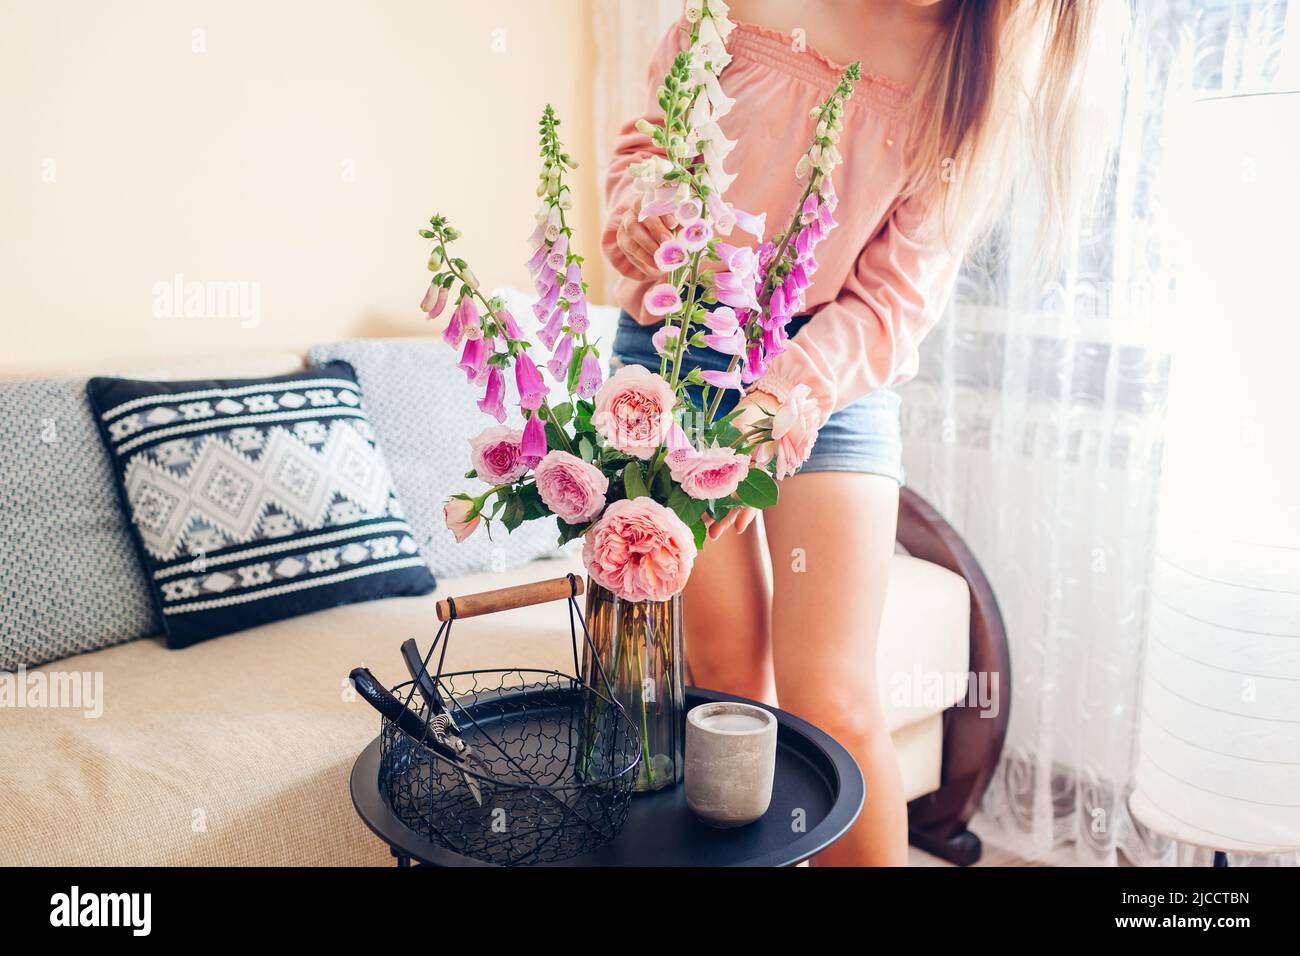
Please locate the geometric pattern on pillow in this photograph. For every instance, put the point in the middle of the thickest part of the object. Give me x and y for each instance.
(70, 579)
(256, 501)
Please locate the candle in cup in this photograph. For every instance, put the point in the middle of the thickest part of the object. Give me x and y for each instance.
(730, 762)
(730, 723)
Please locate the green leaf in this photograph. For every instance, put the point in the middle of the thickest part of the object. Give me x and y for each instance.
(586, 448)
(513, 516)
(561, 414)
(701, 533)
(758, 490)
(555, 437)
(686, 507)
(533, 505)
(471, 473)
(633, 483)
(570, 531)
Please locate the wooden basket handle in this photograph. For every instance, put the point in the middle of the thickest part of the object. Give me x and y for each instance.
(505, 599)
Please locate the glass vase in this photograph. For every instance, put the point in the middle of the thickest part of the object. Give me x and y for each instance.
(641, 650)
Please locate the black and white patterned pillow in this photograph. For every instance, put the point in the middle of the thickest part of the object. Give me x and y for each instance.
(256, 500)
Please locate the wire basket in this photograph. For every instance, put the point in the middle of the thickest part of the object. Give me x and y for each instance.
(554, 759)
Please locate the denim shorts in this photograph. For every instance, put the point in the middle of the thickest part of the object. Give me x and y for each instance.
(863, 437)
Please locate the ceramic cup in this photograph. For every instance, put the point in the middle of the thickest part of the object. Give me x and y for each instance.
(730, 762)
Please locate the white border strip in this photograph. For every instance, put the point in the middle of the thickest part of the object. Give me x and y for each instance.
(289, 386)
(296, 586)
(282, 546)
(220, 424)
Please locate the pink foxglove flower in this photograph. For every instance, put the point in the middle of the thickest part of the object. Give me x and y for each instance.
(573, 282)
(711, 473)
(697, 235)
(633, 411)
(429, 303)
(559, 363)
(662, 299)
(461, 516)
(542, 307)
(538, 260)
(532, 390)
(474, 357)
(688, 211)
(748, 222)
(578, 321)
(493, 401)
(550, 332)
(731, 343)
(532, 446)
(495, 453)
(512, 329)
(589, 377)
(552, 229)
(719, 379)
(671, 254)
(574, 490)
(722, 320)
(556, 257)
(665, 339)
(640, 550)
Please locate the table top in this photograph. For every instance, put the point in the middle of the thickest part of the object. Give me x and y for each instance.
(816, 796)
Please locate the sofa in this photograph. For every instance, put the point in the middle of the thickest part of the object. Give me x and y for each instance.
(237, 751)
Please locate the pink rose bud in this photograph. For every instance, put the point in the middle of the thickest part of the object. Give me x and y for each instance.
(462, 517)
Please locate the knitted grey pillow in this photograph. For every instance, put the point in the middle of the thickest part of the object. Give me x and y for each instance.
(424, 413)
(70, 580)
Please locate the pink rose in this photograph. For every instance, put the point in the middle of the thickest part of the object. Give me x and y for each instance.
(495, 455)
(634, 411)
(794, 430)
(461, 516)
(570, 487)
(639, 550)
(711, 473)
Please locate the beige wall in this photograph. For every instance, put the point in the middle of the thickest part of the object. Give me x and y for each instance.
(294, 147)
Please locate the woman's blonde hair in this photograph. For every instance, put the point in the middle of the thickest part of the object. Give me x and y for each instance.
(1017, 94)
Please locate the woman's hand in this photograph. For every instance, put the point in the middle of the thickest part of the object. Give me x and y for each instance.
(753, 407)
(639, 240)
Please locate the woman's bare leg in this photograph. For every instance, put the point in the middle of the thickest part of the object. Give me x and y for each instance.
(728, 643)
(831, 536)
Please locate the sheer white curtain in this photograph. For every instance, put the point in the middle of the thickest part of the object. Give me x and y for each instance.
(1035, 426)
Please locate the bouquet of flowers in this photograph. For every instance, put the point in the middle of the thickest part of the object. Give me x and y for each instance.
(639, 463)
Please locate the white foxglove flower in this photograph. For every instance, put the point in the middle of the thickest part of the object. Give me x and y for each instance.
(694, 10)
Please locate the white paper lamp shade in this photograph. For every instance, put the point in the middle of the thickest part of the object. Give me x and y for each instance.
(1220, 741)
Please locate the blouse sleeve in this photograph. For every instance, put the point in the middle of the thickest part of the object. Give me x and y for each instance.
(632, 146)
(867, 337)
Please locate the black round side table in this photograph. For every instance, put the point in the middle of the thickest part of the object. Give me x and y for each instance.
(816, 796)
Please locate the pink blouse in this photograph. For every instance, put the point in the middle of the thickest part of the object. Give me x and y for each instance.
(883, 278)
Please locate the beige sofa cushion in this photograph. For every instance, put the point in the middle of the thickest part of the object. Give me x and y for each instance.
(238, 750)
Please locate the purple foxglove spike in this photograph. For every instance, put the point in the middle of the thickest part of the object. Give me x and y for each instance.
(803, 243)
(656, 207)
(550, 332)
(827, 220)
(558, 366)
(455, 330)
(722, 320)
(532, 390)
(799, 273)
(532, 447)
(774, 339)
(472, 358)
(542, 307)
(765, 253)
(543, 281)
(573, 281)
(493, 400)
(578, 321)
(589, 377)
(777, 304)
